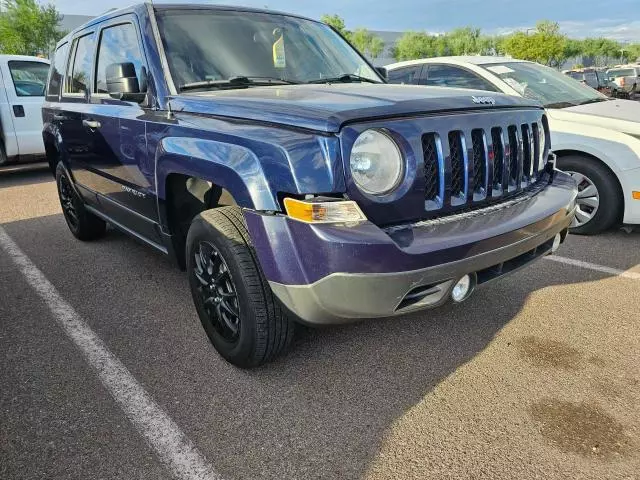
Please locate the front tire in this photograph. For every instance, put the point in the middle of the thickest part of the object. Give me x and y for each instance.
(599, 198)
(242, 318)
(83, 224)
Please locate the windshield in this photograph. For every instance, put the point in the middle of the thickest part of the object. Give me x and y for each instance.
(548, 86)
(206, 47)
(628, 72)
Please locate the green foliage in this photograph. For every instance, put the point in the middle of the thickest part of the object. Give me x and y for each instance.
(336, 22)
(546, 45)
(28, 28)
(366, 42)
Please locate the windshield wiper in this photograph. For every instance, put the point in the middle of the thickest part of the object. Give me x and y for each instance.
(594, 100)
(345, 78)
(559, 105)
(237, 82)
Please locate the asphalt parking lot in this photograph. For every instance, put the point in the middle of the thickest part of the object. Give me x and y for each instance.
(536, 376)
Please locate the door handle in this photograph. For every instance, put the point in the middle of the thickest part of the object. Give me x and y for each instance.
(59, 118)
(92, 124)
(18, 110)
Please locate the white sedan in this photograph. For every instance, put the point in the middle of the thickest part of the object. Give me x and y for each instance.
(596, 139)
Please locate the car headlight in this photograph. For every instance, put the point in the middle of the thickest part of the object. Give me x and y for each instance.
(376, 163)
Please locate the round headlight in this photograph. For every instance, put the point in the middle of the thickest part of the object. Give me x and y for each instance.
(376, 163)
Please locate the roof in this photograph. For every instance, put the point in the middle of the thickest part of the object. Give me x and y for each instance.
(472, 59)
(141, 7)
(23, 58)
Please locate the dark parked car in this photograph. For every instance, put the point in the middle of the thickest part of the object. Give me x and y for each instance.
(271, 160)
(598, 80)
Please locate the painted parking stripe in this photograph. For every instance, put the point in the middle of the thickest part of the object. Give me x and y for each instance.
(594, 266)
(175, 450)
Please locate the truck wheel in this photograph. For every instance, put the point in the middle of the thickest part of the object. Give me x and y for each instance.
(239, 313)
(599, 199)
(83, 224)
(3, 154)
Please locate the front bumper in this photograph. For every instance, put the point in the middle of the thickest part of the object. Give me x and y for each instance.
(327, 274)
(631, 183)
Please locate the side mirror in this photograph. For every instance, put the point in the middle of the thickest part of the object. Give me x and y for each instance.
(383, 72)
(123, 84)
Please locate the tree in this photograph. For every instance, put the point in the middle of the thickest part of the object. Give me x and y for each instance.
(28, 28)
(546, 45)
(366, 42)
(413, 45)
(336, 22)
(464, 41)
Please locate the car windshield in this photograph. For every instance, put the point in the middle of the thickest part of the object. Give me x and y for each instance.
(548, 86)
(628, 72)
(207, 48)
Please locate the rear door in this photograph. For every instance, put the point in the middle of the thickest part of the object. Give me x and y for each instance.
(24, 81)
(74, 101)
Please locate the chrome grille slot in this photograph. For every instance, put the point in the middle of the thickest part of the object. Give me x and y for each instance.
(535, 133)
(479, 164)
(497, 143)
(514, 158)
(433, 170)
(457, 156)
(527, 161)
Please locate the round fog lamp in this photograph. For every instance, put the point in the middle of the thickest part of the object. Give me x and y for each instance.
(461, 289)
(556, 243)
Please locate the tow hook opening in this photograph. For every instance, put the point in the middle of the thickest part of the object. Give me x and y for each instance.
(464, 287)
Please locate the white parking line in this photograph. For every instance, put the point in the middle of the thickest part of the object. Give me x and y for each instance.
(594, 266)
(175, 450)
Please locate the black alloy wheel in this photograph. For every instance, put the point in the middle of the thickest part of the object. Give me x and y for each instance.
(67, 202)
(217, 291)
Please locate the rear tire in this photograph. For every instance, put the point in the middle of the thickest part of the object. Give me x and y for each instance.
(610, 206)
(83, 224)
(242, 318)
(3, 154)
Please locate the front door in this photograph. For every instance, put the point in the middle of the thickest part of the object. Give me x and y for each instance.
(24, 81)
(116, 165)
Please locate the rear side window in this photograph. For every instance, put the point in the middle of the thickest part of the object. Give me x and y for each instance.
(407, 75)
(79, 71)
(29, 78)
(57, 71)
(455, 77)
(118, 44)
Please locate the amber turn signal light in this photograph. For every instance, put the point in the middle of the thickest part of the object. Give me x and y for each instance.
(313, 211)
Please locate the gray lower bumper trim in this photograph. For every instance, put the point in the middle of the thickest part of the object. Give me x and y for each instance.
(345, 297)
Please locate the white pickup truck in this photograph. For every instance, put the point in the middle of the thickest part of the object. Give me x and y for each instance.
(22, 83)
(626, 77)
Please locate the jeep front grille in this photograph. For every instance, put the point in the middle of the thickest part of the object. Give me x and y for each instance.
(462, 168)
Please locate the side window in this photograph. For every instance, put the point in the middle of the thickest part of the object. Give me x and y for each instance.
(29, 78)
(79, 70)
(57, 70)
(455, 77)
(407, 75)
(118, 44)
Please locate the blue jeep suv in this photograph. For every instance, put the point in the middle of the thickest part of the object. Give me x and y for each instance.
(264, 154)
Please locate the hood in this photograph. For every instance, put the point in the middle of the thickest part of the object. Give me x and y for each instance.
(618, 115)
(327, 107)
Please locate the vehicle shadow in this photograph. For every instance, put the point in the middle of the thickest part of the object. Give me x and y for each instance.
(17, 175)
(323, 410)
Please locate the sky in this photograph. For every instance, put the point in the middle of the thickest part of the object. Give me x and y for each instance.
(578, 18)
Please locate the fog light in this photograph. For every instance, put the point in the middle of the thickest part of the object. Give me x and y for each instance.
(462, 289)
(557, 240)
